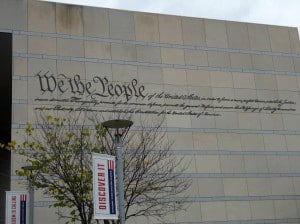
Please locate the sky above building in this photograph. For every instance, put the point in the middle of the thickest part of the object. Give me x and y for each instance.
(273, 12)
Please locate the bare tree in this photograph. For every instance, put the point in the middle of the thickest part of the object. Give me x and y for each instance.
(61, 148)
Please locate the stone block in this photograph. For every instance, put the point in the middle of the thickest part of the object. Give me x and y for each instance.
(146, 27)
(235, 187)
(121, 25)
(279, 39)
(72, 48)
(148, 54)
(170, 30)
(218, 59)
(123, 52)
(243, 80)
(99, 50)
(172, 56)
(214, 211)
(198, 77)
(259, 37)
(95, 22)
(174, 76)
(69, 19)
(237, 35)
(193, 31)
(195, 57)
(216, 34)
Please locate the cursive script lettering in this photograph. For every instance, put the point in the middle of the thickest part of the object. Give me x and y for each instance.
(98, 87)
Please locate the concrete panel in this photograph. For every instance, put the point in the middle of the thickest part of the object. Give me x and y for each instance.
(221, 79)
(13, 14)
(265, 81)
(271, 121)
(213, 211)
(235, 187)
(259, 37)
(95, 22)
(193, 31)
(198, 77)
(237, 35)
(238, 210)
(73, 48)
(19, 115)
(243, 80)
(172, 56)
(262, 62)
(185, 143)
(249, 121)
(123, 52)
(227, 120)
(121, 25)
(255, 164)
(195, 57)
(283, 64)
(148, 54)
(173, 76)
(95, 49)
(232, 164)
(282, 186)
(124, 73)
(103, 70)
(170, 30)
(218, 59)
(19, 89)
(42, 45)
(41, 16)
(150, 75)
(278, 164)
(207, 164)
(210, 187)
(274, 142)
(294, 39)
(286, 209)
(20, 66)
(69, 19)
(259, 186)
(205, 141)
(293, 142)
(262, 209)
(215, 33)
(279, 39)
(20, 43)
(146, 27)
(192, 213)
(241, 61)
(252, 142)
(229, 141)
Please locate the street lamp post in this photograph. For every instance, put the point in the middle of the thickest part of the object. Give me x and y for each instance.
(120, 129)
(31, 193)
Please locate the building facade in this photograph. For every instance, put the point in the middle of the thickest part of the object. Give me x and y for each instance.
(229, 92)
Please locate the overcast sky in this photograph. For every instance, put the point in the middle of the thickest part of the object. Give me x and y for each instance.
(274, 12)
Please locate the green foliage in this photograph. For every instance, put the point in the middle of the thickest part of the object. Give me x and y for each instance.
(60, 150)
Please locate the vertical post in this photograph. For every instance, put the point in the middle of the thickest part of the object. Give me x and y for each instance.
(120, 128)
(31, 202)
(120, 176)
(31, 192)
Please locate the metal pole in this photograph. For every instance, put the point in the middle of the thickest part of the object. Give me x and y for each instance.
(31, 202)
(120, 176)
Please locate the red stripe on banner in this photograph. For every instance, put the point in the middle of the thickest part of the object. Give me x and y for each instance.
(110, 164)
(23, 197)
